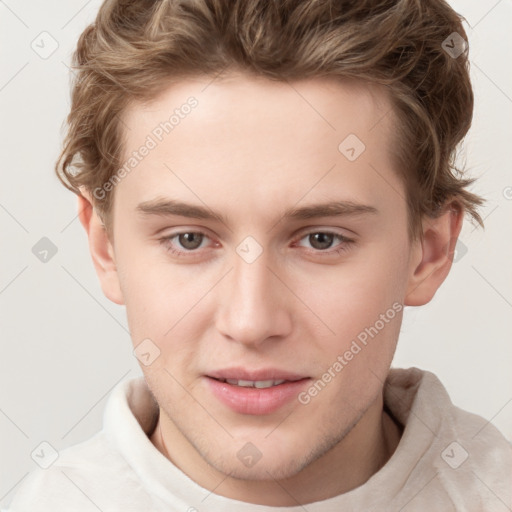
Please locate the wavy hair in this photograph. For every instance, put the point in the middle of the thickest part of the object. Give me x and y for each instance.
(136, 48)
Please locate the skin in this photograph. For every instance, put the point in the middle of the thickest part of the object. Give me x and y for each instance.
(252, 150)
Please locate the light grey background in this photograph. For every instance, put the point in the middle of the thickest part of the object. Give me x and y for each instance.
(64, 346)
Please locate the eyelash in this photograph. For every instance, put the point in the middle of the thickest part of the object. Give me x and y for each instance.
(342, 247)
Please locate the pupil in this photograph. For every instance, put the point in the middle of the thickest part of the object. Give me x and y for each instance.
(190, 240)
(321, 240)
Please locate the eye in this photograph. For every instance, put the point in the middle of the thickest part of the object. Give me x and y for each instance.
(321, 241)
(185, 242)
(190, 241)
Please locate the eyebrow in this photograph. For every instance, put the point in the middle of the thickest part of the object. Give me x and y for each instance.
(167, 207)
(331, 209)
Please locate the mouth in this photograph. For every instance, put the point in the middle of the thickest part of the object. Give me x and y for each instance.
(259, 384)
(255, 392)
(241, 375)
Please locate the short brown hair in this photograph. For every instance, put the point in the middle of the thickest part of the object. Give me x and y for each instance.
(136, 48)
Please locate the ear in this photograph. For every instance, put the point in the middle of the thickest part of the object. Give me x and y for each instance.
(432, 256)
(101, 248)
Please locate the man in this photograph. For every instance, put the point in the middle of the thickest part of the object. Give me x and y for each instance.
(265, 186)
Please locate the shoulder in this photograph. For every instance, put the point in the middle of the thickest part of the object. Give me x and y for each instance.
(80, 475)
(461, 457)
(475, 460)
(101, 472)
(81, 479)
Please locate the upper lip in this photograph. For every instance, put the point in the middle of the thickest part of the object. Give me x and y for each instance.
(238, 373)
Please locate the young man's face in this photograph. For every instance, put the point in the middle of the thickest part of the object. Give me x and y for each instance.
(297, 258)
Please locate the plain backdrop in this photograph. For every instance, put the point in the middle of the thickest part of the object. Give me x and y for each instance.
(64, 346)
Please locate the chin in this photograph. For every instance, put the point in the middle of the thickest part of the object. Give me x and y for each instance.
(266, 459)
(262, 470)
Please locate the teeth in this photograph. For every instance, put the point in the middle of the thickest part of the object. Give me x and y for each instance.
(260, 384)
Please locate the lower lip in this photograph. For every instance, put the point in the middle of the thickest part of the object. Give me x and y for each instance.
(253, 400)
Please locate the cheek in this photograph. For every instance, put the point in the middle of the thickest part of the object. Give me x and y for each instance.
(147, 294)
(361, 303)
(363, 308)
(354, 294)
(168, 304)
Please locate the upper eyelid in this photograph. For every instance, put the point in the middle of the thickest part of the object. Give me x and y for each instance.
(174, 234)
(303, 232)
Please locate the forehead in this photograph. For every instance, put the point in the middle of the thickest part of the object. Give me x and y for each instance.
(245, 102)
(210, 137)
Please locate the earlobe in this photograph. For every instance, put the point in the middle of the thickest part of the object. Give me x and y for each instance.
(433, 255)
(101, 249)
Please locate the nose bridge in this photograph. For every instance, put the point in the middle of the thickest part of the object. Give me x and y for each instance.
(250, 307)
(251, 284)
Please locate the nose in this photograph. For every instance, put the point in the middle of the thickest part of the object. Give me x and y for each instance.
(253, 305)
